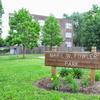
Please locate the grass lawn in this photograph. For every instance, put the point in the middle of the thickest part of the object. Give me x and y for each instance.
(17, 77)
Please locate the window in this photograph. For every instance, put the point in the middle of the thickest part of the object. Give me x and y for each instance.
(68, 35)
(69, 44)
(41, 22)
(68, 26)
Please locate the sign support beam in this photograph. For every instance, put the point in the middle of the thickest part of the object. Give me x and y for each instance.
(92, 71)
(53, 68)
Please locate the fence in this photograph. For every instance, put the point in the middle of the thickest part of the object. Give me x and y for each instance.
(36, 50)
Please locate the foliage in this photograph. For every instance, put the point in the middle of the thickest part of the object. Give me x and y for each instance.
(77, 21)
(74, 86)
(8, 41)
(86, 27)
(55, 82)
(23, 30)
(4, 50)
(77, 72)
(51, 32)
(2, 42)
(69, 79)
(85, 81)
(1, 10)
(91, 30)
(97, 77)
(65, 71)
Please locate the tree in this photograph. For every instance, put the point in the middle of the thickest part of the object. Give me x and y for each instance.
(87, 28)
(23, 29)
(51, 32)
(1, 12)
(8, 41)
(1, 9)
(91, 28)
(77, 19)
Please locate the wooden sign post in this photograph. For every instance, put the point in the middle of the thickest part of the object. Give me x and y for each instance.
(53, 68)
(92, 71)
(88, 60)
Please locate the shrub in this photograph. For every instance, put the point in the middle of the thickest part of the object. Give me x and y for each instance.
(97, 77)
(85, 81)
(69, 78)
(74, 86)
(77, 73)
(4, 50)
(55, 82)
(64, 72)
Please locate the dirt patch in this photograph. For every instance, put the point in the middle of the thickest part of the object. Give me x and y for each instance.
(46, 83)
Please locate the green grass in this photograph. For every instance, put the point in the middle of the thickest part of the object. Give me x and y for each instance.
(18, 77)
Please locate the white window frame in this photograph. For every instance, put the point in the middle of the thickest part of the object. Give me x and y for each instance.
(68, 34)
(69, 44)
(68, 25)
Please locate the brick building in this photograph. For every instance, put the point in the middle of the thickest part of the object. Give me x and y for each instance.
(66, 29)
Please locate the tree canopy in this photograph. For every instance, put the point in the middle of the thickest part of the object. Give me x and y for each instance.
(87, 27)
(91, 28)
(1, 9)
(23, 29)
(2, 42)
(51, 32)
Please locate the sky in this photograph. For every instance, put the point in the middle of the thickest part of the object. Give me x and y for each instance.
(45, 7)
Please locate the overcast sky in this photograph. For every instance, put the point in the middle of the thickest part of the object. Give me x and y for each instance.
(45, 7)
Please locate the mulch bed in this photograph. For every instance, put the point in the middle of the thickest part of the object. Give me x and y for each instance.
(46, 83)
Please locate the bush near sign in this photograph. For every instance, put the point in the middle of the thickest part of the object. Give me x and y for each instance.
(73, 60)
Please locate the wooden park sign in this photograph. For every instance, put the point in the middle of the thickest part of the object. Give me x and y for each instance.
(90, 60)
(74, 60)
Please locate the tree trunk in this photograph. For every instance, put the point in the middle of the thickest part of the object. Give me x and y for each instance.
(23, 51)
(31, 51)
